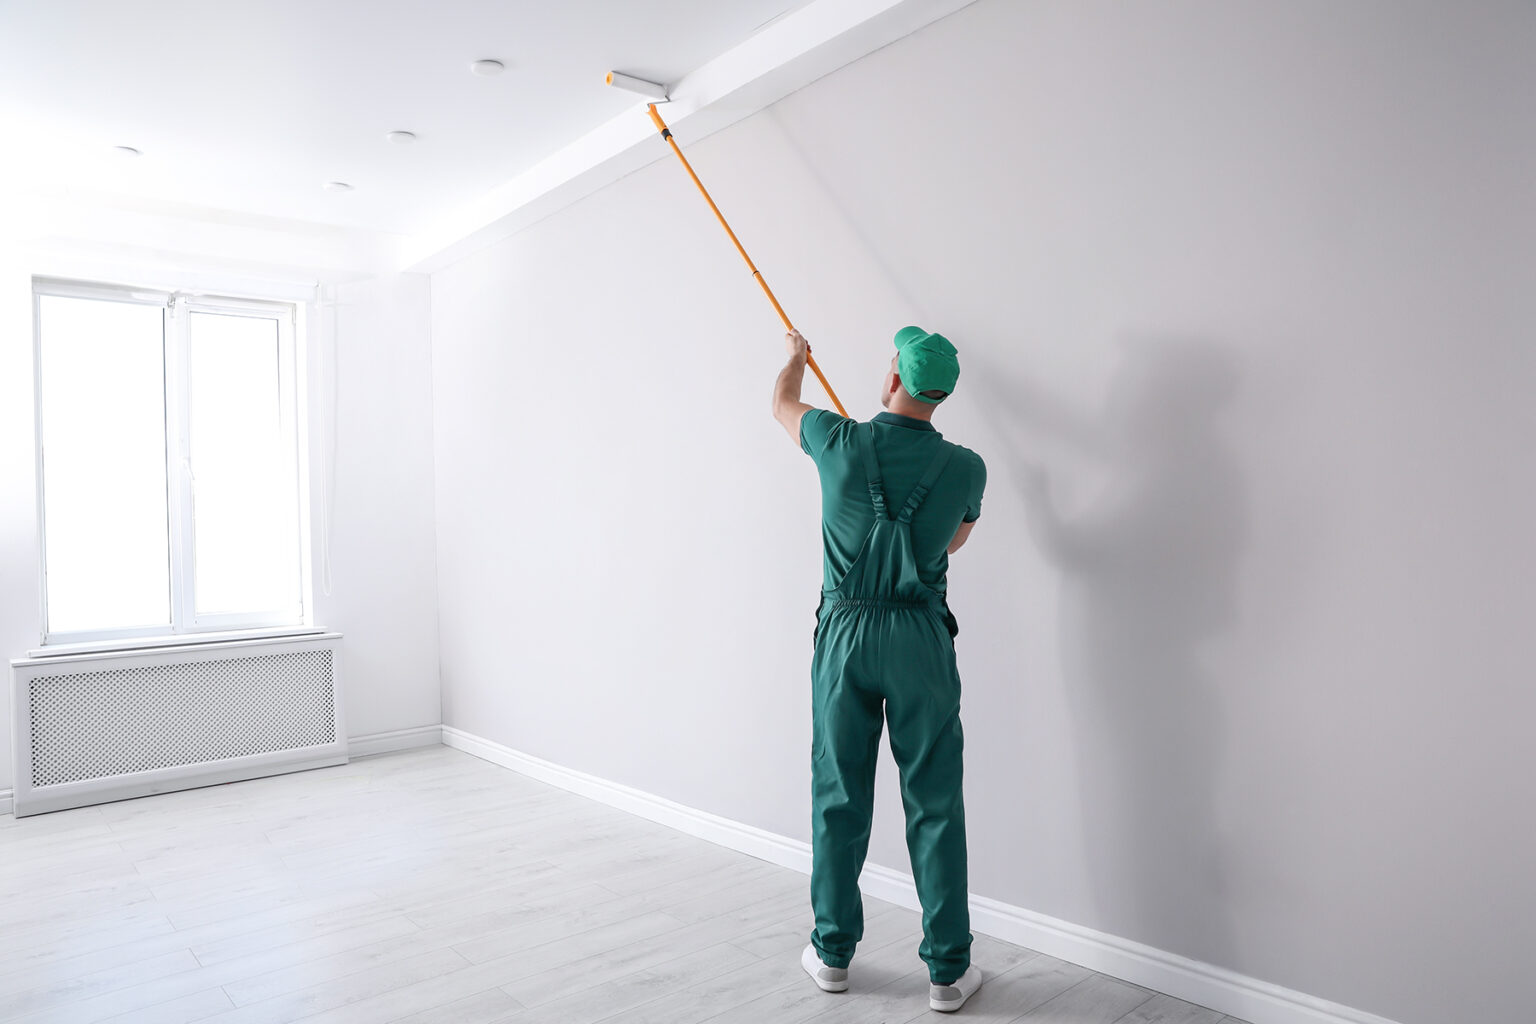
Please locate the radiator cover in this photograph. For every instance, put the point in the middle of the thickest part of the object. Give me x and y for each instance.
(93, 728)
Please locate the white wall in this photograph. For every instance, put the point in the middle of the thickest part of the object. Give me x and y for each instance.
(382, 563)
(1253, 282)
(372, 422)
(20, 605)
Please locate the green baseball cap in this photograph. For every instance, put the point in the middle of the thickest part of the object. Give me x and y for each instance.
(926, 362)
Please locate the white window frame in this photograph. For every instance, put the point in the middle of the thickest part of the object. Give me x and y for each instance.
(177, 308)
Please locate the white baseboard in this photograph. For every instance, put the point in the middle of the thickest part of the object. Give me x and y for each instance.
(1204, 984)
(7, 801)
(398, 739)
(769, 846)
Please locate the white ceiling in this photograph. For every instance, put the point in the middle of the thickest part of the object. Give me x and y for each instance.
(252, 107)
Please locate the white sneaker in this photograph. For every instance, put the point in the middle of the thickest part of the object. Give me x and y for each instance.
(949, 998)
(829, 979)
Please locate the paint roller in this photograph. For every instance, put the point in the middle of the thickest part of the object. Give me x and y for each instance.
(639, 85)
(652, 89)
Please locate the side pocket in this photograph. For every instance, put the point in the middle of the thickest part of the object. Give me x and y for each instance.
(816, 630)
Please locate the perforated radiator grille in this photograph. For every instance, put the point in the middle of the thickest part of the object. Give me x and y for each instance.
(93, 725)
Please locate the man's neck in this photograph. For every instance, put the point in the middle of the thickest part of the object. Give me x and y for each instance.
(903, 405)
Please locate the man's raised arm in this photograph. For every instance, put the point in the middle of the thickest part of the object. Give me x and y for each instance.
(787, 407)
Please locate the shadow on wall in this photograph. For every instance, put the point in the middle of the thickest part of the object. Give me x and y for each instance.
(1148, 580)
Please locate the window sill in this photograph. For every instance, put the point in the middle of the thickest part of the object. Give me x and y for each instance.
(179, 640)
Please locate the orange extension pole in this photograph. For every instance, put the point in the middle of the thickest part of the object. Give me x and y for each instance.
(666, 133)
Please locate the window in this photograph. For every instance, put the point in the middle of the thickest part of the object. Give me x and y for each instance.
(168, 463)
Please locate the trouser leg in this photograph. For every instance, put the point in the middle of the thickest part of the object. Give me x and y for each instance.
(923, 708)
(845, 726)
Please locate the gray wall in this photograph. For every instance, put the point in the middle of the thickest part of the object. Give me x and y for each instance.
(1251, 287)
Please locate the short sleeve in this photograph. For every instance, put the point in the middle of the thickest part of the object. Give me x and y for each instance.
(978, 484)
(815, 428)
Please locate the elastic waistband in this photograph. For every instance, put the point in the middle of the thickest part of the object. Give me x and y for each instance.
(833, 600)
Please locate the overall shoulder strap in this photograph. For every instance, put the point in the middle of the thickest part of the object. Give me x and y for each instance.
(865, 439)
(930, 475)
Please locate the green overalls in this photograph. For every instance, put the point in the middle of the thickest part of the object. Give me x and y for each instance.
(882, 638)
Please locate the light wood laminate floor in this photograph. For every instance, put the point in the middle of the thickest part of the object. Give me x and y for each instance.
(431, 886)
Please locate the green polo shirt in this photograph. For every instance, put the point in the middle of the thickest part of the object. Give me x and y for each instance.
(904, 447)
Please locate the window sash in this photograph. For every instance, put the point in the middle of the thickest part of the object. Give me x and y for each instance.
(178, 309)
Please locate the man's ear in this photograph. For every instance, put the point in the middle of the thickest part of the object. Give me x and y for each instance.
(895, 382)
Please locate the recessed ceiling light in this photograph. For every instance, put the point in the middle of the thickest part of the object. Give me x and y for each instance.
(487, 67)
(127, 151)
(337, 186)
(402, 138)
